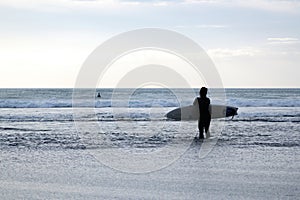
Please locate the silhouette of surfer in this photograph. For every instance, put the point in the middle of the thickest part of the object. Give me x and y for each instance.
(204, 119)
(99, 95)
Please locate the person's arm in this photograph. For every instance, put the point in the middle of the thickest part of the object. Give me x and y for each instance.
(209, 106)
(195, 102)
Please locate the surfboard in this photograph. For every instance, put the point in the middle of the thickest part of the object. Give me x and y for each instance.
(192, 112)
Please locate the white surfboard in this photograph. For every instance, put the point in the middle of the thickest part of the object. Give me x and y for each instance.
(192, 112)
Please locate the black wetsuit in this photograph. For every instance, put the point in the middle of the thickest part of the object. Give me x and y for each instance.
(205, 117)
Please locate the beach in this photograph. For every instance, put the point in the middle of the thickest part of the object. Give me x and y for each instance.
(255, 156)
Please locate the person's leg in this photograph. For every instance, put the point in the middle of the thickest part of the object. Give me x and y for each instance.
(207, 131)
(200, 127)
(207, 123)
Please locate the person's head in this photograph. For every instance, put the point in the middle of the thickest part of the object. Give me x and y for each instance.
(203, 92)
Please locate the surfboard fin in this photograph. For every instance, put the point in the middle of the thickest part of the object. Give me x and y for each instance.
(234, 114)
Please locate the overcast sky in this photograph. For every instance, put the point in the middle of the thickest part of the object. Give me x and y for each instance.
(252, 43)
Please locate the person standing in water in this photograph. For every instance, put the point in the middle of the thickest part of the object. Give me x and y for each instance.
(204, 109)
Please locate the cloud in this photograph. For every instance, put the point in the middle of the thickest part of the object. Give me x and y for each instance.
(211, 26)
(288, 6)
(61, 5)
(203, 1)
(149, 2)
(283, 40)
(204, 26)
(226, 52)
(84, 5)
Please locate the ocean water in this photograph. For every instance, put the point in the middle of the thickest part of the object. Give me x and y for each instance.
(46, 151)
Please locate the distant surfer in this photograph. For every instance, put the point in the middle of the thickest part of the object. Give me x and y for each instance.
(99, 95)
(205, 116)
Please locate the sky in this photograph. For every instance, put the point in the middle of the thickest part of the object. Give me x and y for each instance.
(255, 43)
